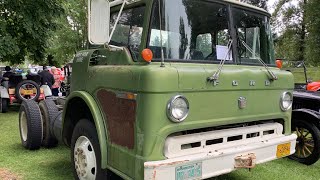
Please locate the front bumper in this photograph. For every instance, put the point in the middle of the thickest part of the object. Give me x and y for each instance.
(221, 161)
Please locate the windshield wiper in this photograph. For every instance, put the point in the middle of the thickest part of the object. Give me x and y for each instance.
(215, 76)
(273, 76)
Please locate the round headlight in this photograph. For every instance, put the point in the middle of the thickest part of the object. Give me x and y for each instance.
(178, 108)
(286, 101)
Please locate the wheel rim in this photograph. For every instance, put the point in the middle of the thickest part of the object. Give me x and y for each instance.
(28, 86)
(85, 159)
(23, 126)
(305, 143)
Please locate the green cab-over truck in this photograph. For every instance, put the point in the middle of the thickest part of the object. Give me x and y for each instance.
(183, 89)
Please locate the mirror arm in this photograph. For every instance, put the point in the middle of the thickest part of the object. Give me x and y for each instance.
(116, 3)
(115, 24)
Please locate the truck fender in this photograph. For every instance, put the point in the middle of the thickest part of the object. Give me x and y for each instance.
(307, 115)
(97, 118)
(4, 93)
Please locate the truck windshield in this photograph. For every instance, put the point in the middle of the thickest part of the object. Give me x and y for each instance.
(253, 31)
(191, 30)
(194, 30)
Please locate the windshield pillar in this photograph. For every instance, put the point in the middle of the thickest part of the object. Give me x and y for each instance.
(233, 35)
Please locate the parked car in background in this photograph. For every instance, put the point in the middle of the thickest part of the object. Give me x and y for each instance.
(305, 116)
(21, 87)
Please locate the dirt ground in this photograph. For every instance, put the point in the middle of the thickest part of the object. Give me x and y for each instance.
(7, 175)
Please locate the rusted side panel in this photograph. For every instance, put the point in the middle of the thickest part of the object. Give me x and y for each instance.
(120, 117)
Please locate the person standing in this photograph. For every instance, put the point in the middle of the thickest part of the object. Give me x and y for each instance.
(8, 73)
(57, 83)
(46, 77)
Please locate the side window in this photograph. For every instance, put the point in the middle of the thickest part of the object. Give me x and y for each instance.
(222, 39)
(251, 36)
(204, 44)
(129, 29)
(214, 46)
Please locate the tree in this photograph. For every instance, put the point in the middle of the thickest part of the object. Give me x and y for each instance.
(71, 34)
(25, 27)
(289, 19)
(298, 25)
(313, 25)
(258, 3)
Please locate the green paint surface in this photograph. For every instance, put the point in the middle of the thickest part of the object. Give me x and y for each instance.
(210, 105)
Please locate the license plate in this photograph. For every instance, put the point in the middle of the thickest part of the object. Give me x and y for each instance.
(283, 150)
(189, 172)
(28, 92)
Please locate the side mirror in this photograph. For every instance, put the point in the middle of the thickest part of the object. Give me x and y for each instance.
(98, 21)
(309, 80)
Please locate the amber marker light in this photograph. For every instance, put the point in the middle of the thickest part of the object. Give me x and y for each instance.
(147, 55)
(279, 63)
(131, 96)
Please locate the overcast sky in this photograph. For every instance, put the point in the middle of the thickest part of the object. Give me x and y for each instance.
(272, 2)
(270, 5)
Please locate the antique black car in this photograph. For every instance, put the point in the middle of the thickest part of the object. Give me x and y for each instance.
(306, 122)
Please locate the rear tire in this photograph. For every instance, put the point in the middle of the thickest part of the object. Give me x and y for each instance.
(30, 125)
(308, 142)
(49, 111)
(21, 97)
(85, 152)
(3, 105)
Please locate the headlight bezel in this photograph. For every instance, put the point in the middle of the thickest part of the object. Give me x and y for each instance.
(282, 100)
(170, 105)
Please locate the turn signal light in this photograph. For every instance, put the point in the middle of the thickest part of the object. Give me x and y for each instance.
(147, 55)
(279, 63)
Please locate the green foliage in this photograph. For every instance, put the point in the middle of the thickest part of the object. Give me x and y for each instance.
(298, 26)
(288, 46)
(313, 24)
(290, 22)
(259, 3)
(24, 28)
(71, 34)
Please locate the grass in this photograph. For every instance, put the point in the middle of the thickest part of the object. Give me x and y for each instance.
(41, 164)
(55, 163)
(313, 73)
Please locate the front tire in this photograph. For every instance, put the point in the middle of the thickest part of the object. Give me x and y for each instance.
(308, 142)
(85, 152)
